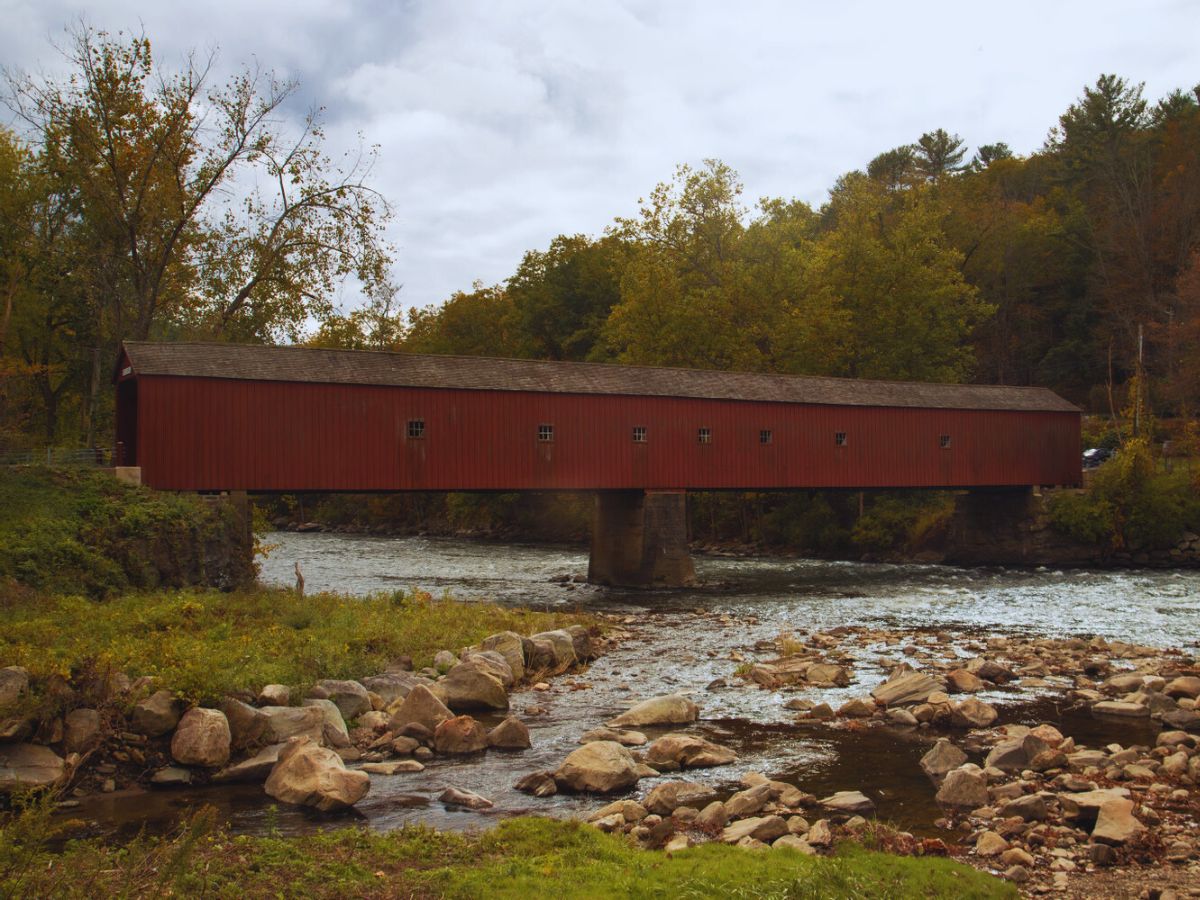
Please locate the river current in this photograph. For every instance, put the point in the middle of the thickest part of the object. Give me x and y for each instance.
(685, 640)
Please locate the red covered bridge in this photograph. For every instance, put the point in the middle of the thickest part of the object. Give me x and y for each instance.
(219, 417)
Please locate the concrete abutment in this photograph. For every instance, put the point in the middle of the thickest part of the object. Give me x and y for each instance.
(640, 540)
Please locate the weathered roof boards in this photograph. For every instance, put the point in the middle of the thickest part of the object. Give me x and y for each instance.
(242, 417)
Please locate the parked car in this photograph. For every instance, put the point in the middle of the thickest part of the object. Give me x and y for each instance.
(1095, 456)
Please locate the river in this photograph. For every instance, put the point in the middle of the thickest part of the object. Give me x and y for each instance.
(684, 640)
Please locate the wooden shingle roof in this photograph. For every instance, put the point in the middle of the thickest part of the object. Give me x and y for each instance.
(309, 364)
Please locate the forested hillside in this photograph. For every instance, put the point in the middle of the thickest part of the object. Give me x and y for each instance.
(127, 214)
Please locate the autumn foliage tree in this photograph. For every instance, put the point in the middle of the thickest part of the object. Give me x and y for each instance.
(187, 210)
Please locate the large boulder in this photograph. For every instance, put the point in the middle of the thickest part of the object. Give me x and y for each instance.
(688, 752)
(600, 767)
(81, 730)
(247, 725)
(665, 798)
(964, 787)
(509, 645)
(942, 758)
(672, 709)
(419, 707)
(905, 689)
(562, 646)
(202, 738)
(459, 735)
(157, 715)
(307, 774)
(14, 681)
(349, 697)
(285, 722)
(1083, 807)
(27, 766)
(393, 686)
(494, 663)
(333, 726)
(1116, 823)
(474, 684)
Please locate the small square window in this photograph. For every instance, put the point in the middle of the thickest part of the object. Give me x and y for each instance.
(945, 441)
(416, 428)
(545, 433)
(839, 438)
(639, 434)
(704, 435)
(765, 436)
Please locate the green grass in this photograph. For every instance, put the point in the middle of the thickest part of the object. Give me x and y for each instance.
(206, 643)
(521, 858)
(81, 531)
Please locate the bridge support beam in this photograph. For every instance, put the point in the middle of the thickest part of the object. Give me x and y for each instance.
(640, 540)
(992, 526)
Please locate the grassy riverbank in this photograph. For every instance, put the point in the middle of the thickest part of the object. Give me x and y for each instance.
(206, 643)
(519, 859)
(81, 531)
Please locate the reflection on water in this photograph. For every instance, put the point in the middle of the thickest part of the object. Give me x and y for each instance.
(682, 642)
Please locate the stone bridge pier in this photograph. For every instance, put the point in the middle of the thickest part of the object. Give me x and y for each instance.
(640, 540)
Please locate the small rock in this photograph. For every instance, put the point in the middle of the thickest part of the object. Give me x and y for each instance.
(460, 735)
(81, 729)
(539, 784)
(990, 844)
(624, 738)
(395, 767)
(171, 776)
(511, 734)
(669, 796)
(792, 842)
(856, 708)
(157, 715)
(672, 709)
(467, 799)
(275, 695)
(964, 787)
(942, 758)
(849, 802)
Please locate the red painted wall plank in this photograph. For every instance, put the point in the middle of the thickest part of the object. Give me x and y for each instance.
(210, 434)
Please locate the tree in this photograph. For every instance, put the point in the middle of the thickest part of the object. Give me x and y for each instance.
(562, 296)
(894, 168)
(474, 323)
(703, 289)
(938, 154)
(909, 312)
(990, 153)
(193, 210)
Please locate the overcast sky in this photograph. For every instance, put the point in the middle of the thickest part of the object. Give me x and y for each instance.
(503, 124)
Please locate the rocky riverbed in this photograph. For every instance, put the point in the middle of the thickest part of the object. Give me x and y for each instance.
(972, 711)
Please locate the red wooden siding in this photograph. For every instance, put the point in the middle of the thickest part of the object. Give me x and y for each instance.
(216, 434)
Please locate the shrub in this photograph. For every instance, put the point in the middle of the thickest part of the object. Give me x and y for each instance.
(1130, 504)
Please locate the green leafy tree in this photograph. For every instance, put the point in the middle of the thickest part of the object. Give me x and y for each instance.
(909, 311)
(191, 210)
(938, 154)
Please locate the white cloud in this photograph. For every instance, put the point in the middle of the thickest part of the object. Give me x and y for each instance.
(503, 124)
